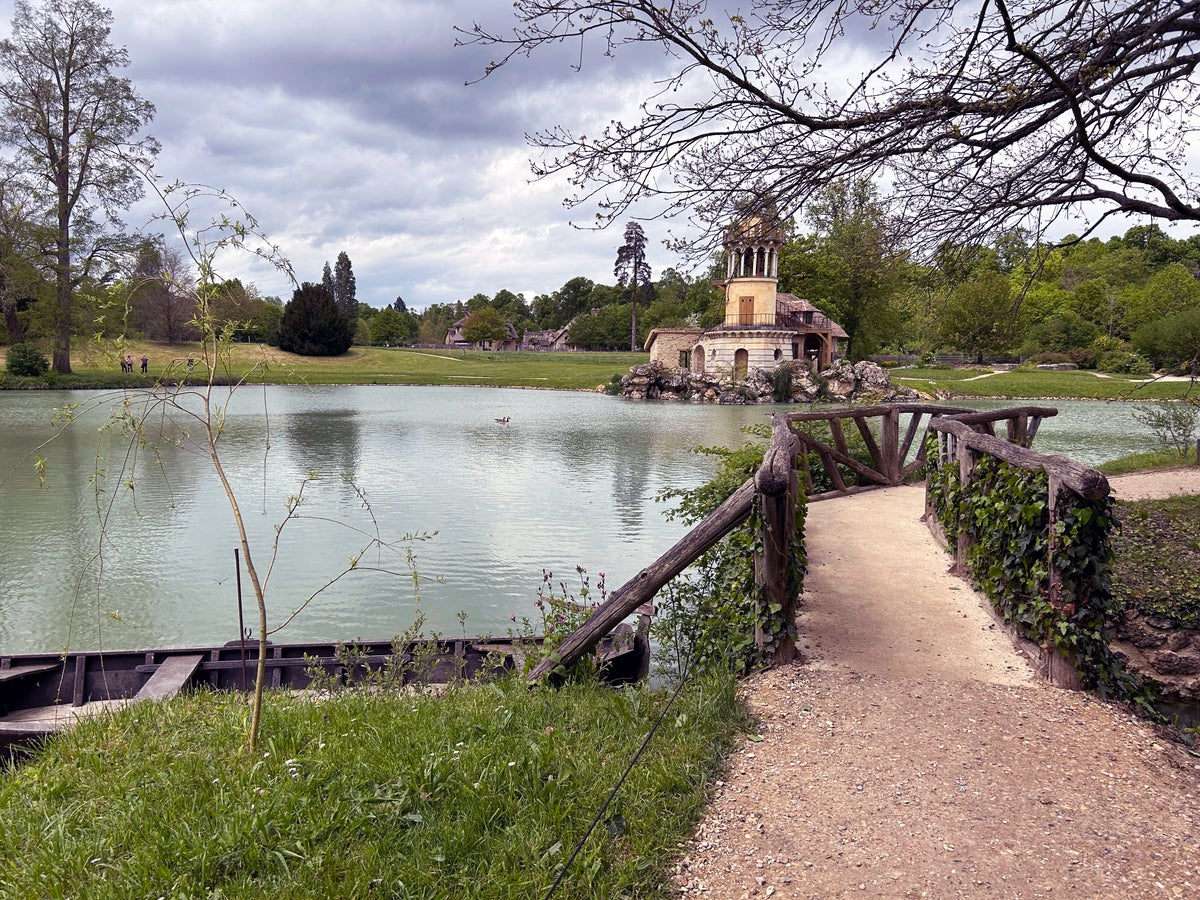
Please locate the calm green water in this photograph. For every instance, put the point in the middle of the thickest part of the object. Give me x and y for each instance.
(570, 481)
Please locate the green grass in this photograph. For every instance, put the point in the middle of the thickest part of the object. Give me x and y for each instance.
(1078, 384)
(361, 365)
(1157, 558)
(1144, 462)
(480, 792)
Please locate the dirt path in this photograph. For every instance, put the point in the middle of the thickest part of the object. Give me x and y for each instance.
(914, 754)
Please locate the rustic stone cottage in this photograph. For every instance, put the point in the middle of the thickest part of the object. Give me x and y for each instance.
(454, 338)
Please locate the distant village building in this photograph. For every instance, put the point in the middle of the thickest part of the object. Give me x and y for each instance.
(551, 339)
(762, 327)
(455, 340)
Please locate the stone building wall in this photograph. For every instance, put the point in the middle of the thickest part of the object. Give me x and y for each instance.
(670, 342)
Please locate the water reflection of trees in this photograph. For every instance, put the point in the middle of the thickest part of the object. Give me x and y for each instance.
(325, 441)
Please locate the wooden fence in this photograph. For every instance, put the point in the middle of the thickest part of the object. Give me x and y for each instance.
(883, 461)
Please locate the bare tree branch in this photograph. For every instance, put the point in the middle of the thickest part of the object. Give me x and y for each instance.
(981, 116)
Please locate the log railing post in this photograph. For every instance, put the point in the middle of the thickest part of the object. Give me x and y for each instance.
(1056, 669)
(778, 490)
(967, 459)
(890, 438)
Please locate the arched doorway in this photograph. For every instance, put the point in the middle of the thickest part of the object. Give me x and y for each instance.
(698, 358)
(741, 363)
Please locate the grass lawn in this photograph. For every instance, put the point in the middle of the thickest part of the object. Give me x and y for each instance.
(1157, 565)
(361, 365)
(481, 792)
(1049, 385)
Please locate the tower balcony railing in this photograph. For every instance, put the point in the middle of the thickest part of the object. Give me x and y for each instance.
(793, 322)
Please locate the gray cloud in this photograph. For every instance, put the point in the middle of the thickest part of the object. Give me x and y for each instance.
(350, 126)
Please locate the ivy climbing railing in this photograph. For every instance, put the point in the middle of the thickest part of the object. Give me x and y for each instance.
(773, 499)
(1032, 531)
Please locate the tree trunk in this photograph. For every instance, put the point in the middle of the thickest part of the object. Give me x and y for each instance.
(62, 273)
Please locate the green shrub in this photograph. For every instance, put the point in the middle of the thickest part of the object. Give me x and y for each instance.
(1173, 423)
(1084, 357)
(25, 360)
(1124, 362)
(781, 383)
(707, 618)
(1049, 359)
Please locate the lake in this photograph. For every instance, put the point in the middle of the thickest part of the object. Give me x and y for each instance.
(129, 548)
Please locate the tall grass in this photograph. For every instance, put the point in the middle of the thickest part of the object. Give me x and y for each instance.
(480, 792)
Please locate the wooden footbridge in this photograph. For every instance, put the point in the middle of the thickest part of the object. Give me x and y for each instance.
(810, 455)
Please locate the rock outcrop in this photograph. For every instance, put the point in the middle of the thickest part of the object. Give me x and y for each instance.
(1161, 649)
(843, 382)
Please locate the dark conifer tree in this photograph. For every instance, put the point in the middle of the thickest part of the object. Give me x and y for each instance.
(344, 287)
(312, 324)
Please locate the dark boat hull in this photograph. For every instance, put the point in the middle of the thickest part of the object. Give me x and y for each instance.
(42, 693)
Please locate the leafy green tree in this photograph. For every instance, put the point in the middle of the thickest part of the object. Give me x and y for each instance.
(74, 124)
(1059, 333)
(436, 321)
(512, 307)
(632, 271)
(485, 326)
(557, 309)
(608, 329)
(389, 327)
(313, 325)
(978, 318)
(24, 230)
(1172, 342)
(856, 264)
(1170, 290)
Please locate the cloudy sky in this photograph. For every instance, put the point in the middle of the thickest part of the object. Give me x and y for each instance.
(350, 126)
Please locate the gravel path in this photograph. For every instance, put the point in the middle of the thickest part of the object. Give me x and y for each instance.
(914, 753)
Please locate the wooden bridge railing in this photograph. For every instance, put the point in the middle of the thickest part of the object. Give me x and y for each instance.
(776, 485)
(889, 454)
(961, 445)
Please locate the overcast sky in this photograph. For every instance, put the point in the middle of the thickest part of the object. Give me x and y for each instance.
(349, 126)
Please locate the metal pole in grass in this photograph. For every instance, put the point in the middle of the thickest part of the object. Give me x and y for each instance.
(237, 567)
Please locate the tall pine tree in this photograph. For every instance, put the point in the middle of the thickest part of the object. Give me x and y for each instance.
(632, 270)
(344, 288)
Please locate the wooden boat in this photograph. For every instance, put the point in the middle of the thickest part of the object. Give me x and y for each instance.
(43, 693)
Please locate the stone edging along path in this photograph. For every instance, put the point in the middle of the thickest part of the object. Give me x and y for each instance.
(914, 753)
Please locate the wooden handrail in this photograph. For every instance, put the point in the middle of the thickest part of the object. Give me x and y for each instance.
(646, 583)
(776, 484)
(1077, 477)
